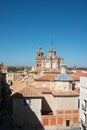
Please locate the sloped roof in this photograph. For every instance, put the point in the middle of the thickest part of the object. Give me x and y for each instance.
(48, 77)
(76, 76)
(80, 73)
(30, 92)
(64, 93)
(21, 88)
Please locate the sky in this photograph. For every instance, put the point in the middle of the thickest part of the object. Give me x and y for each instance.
(26, 25)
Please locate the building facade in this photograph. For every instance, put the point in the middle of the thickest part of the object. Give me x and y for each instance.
(83, 102)
(60, 107)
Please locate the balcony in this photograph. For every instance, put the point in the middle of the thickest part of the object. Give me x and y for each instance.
(83, 107)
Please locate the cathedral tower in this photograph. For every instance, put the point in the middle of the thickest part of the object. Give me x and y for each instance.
(52, 61)
(52, 52)
(39, 57)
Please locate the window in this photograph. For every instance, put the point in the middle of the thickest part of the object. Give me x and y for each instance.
(39, 54)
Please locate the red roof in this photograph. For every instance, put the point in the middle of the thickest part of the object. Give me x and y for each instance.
(78, 73)
(21, 88)
(3, 67)
(30, 92)
(81, 73)
(49, 77)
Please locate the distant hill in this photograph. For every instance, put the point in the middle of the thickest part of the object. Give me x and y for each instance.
(77, 68)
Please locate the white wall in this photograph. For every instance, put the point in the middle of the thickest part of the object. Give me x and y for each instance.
(83, 98)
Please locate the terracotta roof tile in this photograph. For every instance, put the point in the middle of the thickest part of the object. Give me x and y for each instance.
(48, 77)
(3, 67)
(80, 73)
(30, 92)
(64, 93)
(17, 86)
(24, 90)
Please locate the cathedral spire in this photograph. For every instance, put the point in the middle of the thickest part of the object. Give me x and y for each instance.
(52, 46)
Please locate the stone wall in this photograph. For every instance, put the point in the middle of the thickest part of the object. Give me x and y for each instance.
(65, 103)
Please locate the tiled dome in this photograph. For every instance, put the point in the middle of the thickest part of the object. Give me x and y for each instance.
(63, 77)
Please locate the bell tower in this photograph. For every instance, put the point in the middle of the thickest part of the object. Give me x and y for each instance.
(39, 57)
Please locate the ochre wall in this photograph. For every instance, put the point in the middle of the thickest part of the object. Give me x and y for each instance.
(61, 117)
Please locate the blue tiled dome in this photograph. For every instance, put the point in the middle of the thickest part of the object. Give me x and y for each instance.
(63, 76)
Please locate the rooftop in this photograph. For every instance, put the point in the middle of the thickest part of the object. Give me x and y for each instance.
(47, 77)
(21, 88)
(64, 93)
